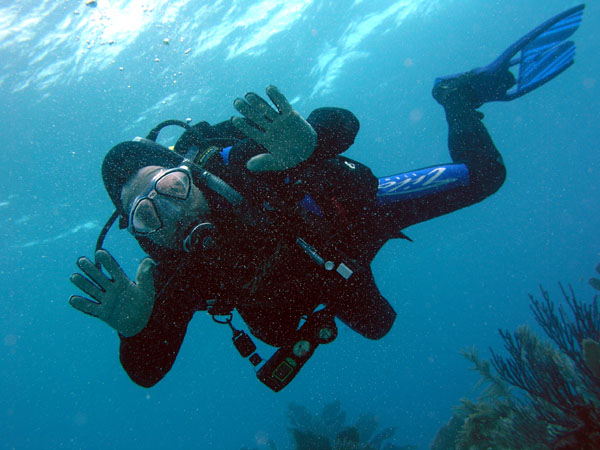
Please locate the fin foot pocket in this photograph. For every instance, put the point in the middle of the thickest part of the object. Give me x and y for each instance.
(544, 54)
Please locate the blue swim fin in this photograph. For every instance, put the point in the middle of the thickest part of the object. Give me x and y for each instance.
(545, 54)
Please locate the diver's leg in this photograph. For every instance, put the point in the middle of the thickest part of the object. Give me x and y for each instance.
(476, 171)
(468, 140)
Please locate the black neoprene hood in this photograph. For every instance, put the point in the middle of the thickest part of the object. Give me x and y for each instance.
(336, 129)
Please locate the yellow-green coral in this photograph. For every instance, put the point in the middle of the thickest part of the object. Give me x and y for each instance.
(591, 355)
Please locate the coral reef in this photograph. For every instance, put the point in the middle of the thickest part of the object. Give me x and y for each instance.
(327, 430)
(595, 282)
(543, 394)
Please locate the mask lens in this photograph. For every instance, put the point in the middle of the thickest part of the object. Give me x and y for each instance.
(174, 184)
(144, 218)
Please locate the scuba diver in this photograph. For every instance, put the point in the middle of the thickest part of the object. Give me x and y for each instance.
(262, 215)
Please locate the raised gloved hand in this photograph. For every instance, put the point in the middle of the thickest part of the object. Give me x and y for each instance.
(124, 305)
(288, 138)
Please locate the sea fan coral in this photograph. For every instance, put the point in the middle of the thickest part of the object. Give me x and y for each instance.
(543, 394)
(328, 431)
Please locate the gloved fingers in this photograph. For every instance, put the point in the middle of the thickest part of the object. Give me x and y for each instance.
(279, 100)
(87, 286)
(111, 266)
(94, 273)
(85, 305)
(145, 275)
(252, 114)
(264, 163)
(261, 105)
(247, 129)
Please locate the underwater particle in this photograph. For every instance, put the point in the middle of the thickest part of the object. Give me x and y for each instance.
(76, 12)
(408, 62)
(156, 60)
(188, 120)
(181, 39)
(10, 340)
(261, 437)
(23, 219)
(166, 41)
(121, 68)
(91, 3)
(80, 418)
(416, 115)
(111, 42)
(589, 83)
(187, 51)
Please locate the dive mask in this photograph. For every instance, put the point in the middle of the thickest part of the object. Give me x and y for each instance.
(166, 196)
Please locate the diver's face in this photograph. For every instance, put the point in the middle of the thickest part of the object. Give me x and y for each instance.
(162, 204)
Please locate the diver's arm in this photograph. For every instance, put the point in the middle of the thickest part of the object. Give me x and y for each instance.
(148, 356)
(150, 322)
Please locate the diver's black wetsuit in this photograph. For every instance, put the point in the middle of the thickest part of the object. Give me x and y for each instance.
(260, 268)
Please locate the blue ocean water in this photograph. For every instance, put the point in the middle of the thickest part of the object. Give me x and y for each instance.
(77, 79)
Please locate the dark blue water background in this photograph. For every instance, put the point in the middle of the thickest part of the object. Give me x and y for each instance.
(68, 94)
